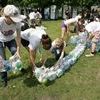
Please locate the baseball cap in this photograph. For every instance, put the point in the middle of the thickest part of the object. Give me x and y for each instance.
(14, 13)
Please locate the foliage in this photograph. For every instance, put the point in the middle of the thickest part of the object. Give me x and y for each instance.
(3, 2)
(47, 3)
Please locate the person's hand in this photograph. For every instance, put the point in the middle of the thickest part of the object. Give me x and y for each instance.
(17, 53)
(42, 61)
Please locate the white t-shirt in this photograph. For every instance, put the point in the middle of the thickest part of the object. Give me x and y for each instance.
(93, 27)
(72, 20)
(32, 15)
(69, 21)
(7, 31)
(33, 36)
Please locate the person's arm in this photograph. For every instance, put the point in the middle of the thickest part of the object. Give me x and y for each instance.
(32, 54)
(42, 58)
(76, 28)
(18, 41)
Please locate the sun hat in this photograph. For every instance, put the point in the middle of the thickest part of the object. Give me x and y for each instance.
(14, 13)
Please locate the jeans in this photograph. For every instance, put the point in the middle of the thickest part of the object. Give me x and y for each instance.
(11, 46)
(4, 78)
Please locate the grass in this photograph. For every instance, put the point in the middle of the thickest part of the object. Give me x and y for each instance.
(81, 82)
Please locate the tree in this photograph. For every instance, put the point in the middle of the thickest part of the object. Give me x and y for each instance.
(3, 3)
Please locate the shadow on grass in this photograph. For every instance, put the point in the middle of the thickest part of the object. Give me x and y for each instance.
(50, 62)
(31, 82)
(49, 83)
(21, 73)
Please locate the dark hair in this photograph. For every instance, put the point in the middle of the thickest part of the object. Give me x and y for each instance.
(46, 40)
(82, 20)
(25, 26)
(91, 18)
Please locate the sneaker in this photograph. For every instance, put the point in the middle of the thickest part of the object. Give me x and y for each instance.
(89, 55)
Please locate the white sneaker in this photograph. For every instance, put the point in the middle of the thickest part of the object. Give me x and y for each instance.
(89, 55)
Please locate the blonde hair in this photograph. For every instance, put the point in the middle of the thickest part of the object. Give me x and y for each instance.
(59, 42)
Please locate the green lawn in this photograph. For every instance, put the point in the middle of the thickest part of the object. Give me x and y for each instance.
(81, 82)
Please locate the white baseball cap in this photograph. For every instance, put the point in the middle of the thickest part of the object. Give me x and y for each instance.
(14, 13)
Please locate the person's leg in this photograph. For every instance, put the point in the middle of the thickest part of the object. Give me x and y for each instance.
(93, 49)
(3, 55)
(2, 50)
(63, 32)
(12, 46)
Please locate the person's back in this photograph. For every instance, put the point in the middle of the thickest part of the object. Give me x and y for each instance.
(92, 26)
(33, 35)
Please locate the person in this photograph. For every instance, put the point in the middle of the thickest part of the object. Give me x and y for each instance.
(9, 26)
(32, 39)
(65, 26)
(37, 39)
(80, 26)
(57, 47)
(94, 29)
(24, 24)
(67, 14)
(32, 17)
(35, 18)
(38, 18)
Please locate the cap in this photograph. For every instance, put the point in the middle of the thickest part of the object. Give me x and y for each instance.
(14, 13)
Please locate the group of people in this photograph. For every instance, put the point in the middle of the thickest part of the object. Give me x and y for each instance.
(90, 26)
(14, 32)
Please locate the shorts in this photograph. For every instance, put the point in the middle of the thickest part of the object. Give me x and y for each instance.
(24, 42)
(64, 26)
